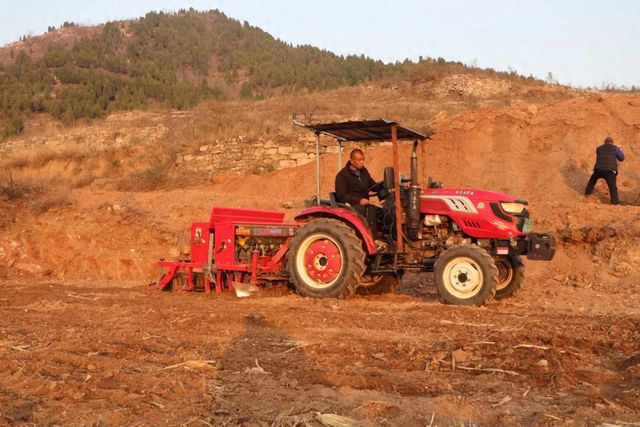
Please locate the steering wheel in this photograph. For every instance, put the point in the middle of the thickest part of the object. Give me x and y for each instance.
(377, 186)
(380, 190)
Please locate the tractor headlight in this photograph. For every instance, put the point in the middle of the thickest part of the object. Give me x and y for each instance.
(513, 208)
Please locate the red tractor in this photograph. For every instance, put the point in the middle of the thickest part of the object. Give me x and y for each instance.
(473, 240)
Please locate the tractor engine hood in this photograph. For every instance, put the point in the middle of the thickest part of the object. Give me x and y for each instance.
(479, 213)
(473, 195)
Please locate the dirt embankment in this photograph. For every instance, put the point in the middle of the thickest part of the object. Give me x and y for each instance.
(543, 153)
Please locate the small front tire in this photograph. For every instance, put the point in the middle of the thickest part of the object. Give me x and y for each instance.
(510, 276)
(466, 275)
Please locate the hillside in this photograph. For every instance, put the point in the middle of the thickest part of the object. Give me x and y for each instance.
(88, 204)
(176, 60)
(143, 150)
(541, 150)
(92, 208)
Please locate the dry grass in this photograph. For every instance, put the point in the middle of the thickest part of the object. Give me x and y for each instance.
(37, 198)
(137, 166)
(14, 192)
(143, 165)
(156, 162)
(52, 199)
(37, 157)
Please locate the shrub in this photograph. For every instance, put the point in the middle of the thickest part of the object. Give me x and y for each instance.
(51, 201)
(14, 192)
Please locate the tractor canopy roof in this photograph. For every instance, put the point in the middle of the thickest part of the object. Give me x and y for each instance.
(364, 130)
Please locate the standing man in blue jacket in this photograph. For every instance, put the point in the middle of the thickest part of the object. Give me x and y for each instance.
(607, 157)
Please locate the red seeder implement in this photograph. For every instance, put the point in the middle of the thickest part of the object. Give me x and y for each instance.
(235, 246)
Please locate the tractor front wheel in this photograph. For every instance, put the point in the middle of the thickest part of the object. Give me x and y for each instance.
(326, 259)
(510, 276)
(466, 275)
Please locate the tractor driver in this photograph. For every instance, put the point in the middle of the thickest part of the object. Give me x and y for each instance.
(352, 186)
(353, 181)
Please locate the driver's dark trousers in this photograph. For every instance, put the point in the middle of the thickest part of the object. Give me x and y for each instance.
(610, 177)
(372, 214)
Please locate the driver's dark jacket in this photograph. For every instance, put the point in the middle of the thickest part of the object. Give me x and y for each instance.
(351, 188)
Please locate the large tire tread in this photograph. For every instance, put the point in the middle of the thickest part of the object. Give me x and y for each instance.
(353, 252)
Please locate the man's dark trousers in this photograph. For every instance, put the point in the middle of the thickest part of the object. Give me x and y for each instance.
(373, 214)
(609, 176)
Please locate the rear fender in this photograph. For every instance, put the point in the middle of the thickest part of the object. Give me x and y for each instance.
(345, 215)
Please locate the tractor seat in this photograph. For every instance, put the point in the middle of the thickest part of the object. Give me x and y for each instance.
(313, 201)
(333, 200)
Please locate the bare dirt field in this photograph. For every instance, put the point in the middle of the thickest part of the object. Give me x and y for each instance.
(113, 353)
(83, 342)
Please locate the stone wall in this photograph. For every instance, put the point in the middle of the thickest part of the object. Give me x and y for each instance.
(244, 154)
(253, 155)
(94, 139)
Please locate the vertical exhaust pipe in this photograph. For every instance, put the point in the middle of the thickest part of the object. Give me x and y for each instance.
(413, 209)
(414, 165)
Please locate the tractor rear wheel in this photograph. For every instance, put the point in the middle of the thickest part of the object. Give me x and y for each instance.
(510, 276)
(378, 285)
(466, 275)
(326, 259)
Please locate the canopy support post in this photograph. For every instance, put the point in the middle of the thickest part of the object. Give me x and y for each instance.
(396, 189)
(318, 168)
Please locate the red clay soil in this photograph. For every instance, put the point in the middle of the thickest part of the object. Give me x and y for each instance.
(82, 342)
(112, 353)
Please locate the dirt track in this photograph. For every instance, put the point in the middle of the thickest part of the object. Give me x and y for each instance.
(104, 353)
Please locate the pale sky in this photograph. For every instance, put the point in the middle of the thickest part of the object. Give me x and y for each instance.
(582, 42)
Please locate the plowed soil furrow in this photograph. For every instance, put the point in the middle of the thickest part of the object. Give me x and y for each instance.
(118, 354)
